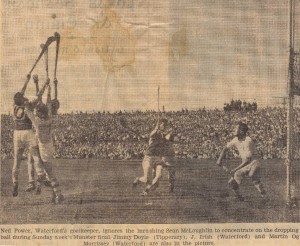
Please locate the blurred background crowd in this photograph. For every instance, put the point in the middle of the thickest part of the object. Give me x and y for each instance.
(200, 133)
(238, 105)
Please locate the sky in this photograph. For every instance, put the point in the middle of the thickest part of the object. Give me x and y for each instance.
(114, 54)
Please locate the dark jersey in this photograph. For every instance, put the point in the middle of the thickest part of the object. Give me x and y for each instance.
(168, 149)
(21, 120)
(156, 143)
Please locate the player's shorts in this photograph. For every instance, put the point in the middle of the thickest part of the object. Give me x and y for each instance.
(149, 163)
(168, 161)
(152, 161)
(24, 139)
(46, 151)
(251, 170)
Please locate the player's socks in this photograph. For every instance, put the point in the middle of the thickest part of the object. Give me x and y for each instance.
(135, 182)
(238, 195)
(235, 187)
(41, 178)
(260, 189)
(15, 189)
(145, 193)
(152, 187)
(57, 198)
(30, 186)
(38, 188)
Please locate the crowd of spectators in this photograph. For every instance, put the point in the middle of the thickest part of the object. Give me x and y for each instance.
(200, 133)
(238, 105)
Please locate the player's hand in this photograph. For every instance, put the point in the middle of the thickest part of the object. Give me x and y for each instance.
(28, 76)
(47, 81)
(55, 81)
(35, 78)
(232, 171)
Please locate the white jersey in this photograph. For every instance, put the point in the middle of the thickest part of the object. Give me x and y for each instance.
(42, 127)
(246, 148)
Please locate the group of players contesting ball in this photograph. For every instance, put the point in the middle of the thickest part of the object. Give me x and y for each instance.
(32, 131)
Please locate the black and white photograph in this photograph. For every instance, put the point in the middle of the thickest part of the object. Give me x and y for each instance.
(150, 113)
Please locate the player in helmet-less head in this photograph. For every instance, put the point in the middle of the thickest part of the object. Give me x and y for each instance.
(250, 166)
(152, 158)
(168, 156)
(31, 181)
(167, 159)
(54, 102)
(23, 133)
(42, 122)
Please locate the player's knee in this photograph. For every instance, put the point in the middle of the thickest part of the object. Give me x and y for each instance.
(233, 184)
(143, 180)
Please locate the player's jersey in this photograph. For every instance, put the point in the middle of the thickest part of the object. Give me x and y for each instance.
(245, 148)
(168, 149)
(42, 127)
(156, 143)
(21, 120)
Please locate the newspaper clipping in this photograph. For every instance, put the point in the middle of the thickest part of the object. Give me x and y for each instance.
(150, 123)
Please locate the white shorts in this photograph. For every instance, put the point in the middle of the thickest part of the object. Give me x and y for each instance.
(251, 170)
(168, 161)
(152, 161)
(149, 162)
(24, 139)
(46, 151)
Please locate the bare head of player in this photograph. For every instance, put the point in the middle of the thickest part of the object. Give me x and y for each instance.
(19, 99)
(42, 111)
(241, 130)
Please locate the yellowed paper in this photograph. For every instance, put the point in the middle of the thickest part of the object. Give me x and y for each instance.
(121, 65)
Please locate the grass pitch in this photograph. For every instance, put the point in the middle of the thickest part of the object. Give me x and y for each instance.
(100, 192)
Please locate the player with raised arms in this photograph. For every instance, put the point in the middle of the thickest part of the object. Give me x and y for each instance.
(152, 158)
(42, 122)
(24, 136)
(168, 156)
(250, 166)
(167, 160)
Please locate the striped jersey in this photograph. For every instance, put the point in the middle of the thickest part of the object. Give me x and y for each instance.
(21, 120)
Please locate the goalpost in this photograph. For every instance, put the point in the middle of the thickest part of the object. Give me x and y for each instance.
(292, 167)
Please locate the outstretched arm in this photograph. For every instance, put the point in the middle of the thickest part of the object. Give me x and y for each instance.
(36, 81)
(223, 153)
(41, 91)
(155, 129)
(39, 94)
(219, 161)
(55, 87)
(25, 84)
(156, 126)
(48, 103)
